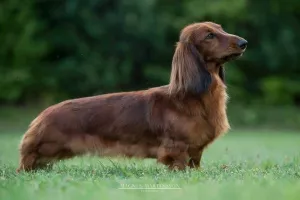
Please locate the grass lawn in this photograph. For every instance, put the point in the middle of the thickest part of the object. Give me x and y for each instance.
(241, 165)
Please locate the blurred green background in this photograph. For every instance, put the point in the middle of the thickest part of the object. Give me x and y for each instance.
(52, 50)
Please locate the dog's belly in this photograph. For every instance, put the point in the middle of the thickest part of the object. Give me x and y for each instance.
(94, 145)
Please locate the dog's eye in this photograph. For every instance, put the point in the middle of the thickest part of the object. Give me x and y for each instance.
(210, 36)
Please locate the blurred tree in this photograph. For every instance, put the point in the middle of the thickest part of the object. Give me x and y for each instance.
(72, 48)
(20, 52)
(102, 46)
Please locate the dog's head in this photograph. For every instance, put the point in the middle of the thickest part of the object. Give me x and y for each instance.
(213, 43)
(202, 45)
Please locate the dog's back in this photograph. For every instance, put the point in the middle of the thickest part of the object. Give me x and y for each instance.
(113, 124)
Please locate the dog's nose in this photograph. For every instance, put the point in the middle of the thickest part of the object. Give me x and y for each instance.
(242, 44)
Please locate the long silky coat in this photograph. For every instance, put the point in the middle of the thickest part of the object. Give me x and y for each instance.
(172, 123)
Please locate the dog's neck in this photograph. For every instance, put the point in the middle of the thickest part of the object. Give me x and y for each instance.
(215, 101)
(216, 69)
(213, 67)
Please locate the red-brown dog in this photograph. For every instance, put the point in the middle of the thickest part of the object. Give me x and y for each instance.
(172, 123)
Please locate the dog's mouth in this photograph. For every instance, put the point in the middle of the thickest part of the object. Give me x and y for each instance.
(233, 56)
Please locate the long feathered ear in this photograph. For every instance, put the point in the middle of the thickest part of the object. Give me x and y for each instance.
(189, 75)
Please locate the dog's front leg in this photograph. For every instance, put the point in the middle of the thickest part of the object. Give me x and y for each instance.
(195, 154)
(174, 154)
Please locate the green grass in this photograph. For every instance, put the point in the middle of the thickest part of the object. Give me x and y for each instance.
(241, 165)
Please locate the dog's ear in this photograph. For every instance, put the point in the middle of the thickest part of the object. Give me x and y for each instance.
(189, 73)
(222, 73)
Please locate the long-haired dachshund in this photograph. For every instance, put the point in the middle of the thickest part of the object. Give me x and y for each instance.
(172, 123)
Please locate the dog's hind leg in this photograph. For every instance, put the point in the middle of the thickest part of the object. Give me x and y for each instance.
(28, 154)
(27, 162)
(33, 160)
(48, 154)
(45, 156)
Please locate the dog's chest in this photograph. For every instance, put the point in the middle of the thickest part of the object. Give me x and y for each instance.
(213, 122)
